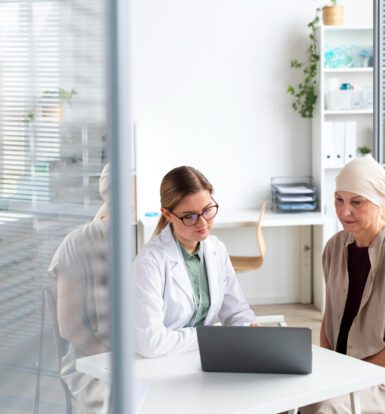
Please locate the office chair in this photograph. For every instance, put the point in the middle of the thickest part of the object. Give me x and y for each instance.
(244, 263)
(49, 300)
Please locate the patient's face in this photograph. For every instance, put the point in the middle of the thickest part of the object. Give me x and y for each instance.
(356, 213)
(197, 203)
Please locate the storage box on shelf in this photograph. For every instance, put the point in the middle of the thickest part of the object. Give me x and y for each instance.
(293, 194)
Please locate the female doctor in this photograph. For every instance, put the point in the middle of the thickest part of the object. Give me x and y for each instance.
(183, 277)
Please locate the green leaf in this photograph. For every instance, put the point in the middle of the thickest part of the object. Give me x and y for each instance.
(305, 96)
(290, 90)
(29, 116)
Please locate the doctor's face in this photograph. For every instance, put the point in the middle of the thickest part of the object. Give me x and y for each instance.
(192, 219)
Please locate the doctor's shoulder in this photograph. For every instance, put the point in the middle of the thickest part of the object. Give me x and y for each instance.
(217, 244)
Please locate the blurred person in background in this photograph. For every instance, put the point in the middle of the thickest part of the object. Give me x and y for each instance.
(80, 269)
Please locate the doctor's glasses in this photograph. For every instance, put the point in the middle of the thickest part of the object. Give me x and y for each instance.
(192, 219)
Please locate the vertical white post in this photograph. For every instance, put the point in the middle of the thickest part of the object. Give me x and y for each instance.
(121, 236)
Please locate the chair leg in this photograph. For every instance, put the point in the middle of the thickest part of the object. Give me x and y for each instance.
(39, 357)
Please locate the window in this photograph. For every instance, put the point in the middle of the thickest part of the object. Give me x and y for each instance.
(52, 150)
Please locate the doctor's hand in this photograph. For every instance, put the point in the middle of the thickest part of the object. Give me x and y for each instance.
(254, 325)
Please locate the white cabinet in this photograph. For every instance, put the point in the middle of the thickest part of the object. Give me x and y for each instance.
(343, 117)
(343, 120)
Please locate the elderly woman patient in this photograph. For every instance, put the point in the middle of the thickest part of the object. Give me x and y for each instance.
(354, 270)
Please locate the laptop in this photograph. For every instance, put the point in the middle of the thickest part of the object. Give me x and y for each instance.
(273, 350)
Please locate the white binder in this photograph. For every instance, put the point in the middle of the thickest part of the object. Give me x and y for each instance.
(338, 144)
(350, 141)
(328, 147)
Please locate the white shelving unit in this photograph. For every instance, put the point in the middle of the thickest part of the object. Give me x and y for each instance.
(324, 173)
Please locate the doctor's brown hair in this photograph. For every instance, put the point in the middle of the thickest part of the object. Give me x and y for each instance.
(176, 184)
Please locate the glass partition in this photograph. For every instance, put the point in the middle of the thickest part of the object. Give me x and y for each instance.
(54, 307)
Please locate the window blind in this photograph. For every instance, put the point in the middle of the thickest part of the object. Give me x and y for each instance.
(29, 77)
(52, 123)
(52, 150)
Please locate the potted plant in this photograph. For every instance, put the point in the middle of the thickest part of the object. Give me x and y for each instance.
(50, 104)
(53, 100)
(333, 15)
(305, 94)
(364, 150)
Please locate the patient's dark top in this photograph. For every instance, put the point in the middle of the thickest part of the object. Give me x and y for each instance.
(358, 270)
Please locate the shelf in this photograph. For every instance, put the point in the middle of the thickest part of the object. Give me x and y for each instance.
(349, 112)
(345, 28)
(333, 168)
(349, 70)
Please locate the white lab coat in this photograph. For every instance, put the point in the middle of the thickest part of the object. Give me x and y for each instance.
(164, 299)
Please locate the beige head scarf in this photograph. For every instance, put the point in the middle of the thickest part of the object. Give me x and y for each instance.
(104, 190)
(365, 177)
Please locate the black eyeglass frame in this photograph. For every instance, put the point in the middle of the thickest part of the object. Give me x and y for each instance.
(198, 215)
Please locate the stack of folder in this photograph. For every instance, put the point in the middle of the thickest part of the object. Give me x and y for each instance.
(339, 143)
(293, 194)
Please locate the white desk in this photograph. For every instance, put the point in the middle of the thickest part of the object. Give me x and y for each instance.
(16, 230)
(15, 225)
(241, 218)
(178, 385)
(311, 277)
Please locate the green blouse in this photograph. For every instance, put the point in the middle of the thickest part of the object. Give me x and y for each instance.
(196, 269)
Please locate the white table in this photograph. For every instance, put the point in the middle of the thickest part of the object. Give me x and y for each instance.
(178, 385)
(15, 224)
(242, 218)
(16, 231)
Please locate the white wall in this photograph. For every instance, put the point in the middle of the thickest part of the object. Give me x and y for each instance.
(210, 80)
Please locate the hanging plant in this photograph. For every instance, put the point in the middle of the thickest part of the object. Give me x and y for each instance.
(305, 94)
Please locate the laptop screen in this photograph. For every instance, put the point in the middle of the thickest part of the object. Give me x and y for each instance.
(283, 350)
